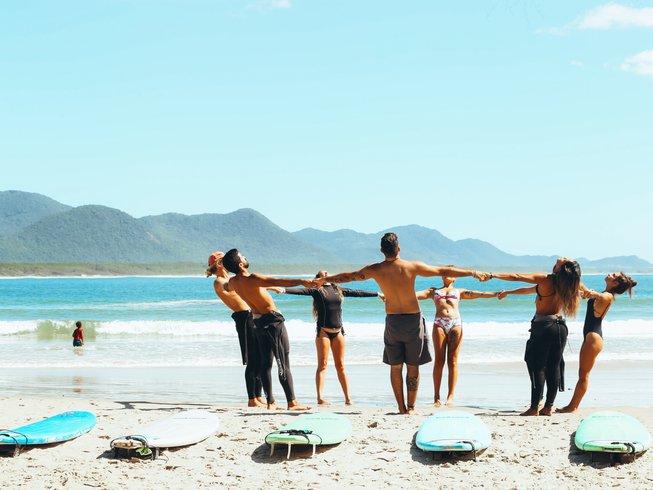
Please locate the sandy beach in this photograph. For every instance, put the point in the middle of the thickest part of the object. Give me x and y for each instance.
(532, 452)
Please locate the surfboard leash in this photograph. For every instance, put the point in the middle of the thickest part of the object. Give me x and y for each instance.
(154, 451)
(19, 447)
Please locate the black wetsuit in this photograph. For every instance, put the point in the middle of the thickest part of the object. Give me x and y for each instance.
(328, 304)
(249, 352)
(544, 359)
(273, 344)
(592, 324)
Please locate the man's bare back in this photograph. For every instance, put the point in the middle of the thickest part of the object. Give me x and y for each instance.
(229, 298)
(249, 288)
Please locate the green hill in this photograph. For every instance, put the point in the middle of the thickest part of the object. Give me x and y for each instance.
(37, 230)
(20, 209)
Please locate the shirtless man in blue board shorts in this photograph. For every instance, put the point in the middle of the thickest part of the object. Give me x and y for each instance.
(405, 336)
(269, 326)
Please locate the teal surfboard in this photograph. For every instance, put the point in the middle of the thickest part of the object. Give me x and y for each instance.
(453, 431)
(59, 428)
(612, 432)
(316, 429)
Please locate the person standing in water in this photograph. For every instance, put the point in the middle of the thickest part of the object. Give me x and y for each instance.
(448, 331)
(327, 311)
(405, 337)
(557, 294)
(270, 329)
(78, 335)
(242, 316)
(598, 305)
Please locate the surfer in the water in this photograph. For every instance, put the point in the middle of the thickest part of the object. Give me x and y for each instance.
(270, 329)
(557, 295)
(327, 311)
(242, 316)
(597, 307)
(405, 336)
(448, 331)
(78, 335)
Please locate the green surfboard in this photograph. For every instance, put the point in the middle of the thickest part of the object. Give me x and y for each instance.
(612, 432)
(316, 429)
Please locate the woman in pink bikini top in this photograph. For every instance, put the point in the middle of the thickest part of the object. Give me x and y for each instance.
(448, 330)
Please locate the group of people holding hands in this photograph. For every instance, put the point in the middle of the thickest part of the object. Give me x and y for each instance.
(263, 337)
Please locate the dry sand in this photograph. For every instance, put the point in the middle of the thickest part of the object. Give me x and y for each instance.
(533, 452)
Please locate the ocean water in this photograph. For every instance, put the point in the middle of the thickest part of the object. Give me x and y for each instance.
(171, 338)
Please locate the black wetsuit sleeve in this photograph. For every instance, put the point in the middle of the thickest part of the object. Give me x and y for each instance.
(358, 293)
(301, 291)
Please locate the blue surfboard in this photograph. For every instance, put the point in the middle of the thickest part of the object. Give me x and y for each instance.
(59, 428)
(453, 431)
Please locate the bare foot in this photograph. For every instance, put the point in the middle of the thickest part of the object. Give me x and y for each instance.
(348, 402)
(437, 403)
(402, 409)
(321, 401)
(546, 411)
(274, 406)
(410, 410)
(450, 403)
(255, 403)
(295, 406)
(530, 412)
(567, 409)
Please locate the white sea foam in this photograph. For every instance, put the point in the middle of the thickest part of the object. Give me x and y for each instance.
(304, 330)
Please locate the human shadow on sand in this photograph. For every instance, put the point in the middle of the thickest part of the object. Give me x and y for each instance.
(10, 451)
(162, 406)
(299, 451)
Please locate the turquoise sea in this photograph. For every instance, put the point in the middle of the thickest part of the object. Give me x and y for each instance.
(170, 338)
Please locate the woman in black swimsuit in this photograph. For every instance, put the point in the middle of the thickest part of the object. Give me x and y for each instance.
(327, 311)
(597, 307)
(557, 294)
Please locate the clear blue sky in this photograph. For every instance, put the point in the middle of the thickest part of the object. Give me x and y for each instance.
(526, 123)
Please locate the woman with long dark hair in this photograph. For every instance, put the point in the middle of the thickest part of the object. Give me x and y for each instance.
(557, 297)
(327, 311)
(598, 305)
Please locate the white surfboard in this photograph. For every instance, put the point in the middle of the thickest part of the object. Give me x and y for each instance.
(181, 429)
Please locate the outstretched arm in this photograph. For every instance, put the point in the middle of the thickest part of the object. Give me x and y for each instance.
(526, 290)
(266, 281)
(467, 294)
(425, 294)
(430, 271)
(360, 275)
(359, 293)
(586, 293)
(536, 278)
(297, 291)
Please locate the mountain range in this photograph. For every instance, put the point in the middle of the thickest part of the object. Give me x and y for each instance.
(37, 229)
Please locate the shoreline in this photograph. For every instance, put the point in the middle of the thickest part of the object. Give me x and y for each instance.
(526, 452)
(183, 270)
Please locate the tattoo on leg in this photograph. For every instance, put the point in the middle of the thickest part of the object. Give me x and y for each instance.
(412, 383)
